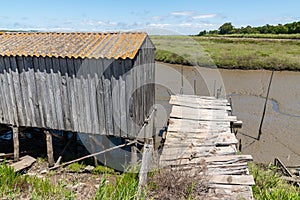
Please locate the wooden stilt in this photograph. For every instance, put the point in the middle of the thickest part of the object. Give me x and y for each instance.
(15, 131)
(94, 154)
(49, 147)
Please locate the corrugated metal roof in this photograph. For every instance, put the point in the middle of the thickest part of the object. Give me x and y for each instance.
(84, 45)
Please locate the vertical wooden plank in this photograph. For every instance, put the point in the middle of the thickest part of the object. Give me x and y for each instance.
(93, 84)
(107, 96)
(71, 92)
(134, 102)
(32, 91)
(5, 116)
(139, 95)
(39, 82)
(79, 95)
(142, 86)
(115, 87)
(50, 78)
(24, 91)
(49, 148)
(45, 93)
(123, 113)
(56, 77)
(128, 95)
(86, 96)
(17, 91)
(100, 96)
(11, 93)
(15, 131)
(2, 101)
(64, 94)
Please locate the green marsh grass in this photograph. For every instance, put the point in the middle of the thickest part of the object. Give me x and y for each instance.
(229, 53)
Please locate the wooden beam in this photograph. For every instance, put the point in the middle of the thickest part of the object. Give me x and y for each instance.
(91, 155)
(49, 147)
(15, 131)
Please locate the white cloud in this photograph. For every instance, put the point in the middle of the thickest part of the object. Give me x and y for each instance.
(204, 16)
(159, 25)
(157, 18)
(182, 13)
(194, 25)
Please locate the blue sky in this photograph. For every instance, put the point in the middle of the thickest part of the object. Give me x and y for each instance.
(182, 17)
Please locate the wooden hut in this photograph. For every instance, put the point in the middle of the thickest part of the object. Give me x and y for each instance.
(95, 83)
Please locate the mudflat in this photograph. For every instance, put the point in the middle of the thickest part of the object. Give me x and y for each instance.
(247, 88)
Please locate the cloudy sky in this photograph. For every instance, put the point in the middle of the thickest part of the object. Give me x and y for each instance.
(156, 16)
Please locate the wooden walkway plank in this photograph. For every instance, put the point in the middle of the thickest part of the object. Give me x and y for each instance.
(199, 136)
(232, 179)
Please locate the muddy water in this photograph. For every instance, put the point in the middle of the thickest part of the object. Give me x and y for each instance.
(281, 129)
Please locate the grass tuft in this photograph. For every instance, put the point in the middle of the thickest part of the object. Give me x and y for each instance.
(270, 186)
(103, 170)
(124, 187)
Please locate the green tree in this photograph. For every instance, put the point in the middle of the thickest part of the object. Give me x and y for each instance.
(201, 33)
(226, 28)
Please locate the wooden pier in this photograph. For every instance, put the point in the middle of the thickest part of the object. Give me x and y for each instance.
(199, 133)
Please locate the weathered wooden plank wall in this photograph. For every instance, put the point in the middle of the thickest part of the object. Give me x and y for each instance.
(103, 96)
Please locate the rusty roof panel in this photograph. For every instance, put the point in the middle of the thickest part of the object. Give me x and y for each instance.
(83, 45)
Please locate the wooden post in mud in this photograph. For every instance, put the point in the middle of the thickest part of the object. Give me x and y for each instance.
(265, 106)
(49, 148)
(15, 131)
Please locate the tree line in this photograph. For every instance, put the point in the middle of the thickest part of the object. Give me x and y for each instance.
(228, 28)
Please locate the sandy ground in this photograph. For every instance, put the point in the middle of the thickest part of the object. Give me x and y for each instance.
(281, 129)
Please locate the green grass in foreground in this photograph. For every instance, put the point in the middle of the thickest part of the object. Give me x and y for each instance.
(16, 186)
(269, 185)
(230, 53)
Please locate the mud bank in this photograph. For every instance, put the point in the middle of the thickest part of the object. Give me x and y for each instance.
(281, 128)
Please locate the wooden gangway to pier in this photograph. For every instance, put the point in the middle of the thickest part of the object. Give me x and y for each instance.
(200, 133)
